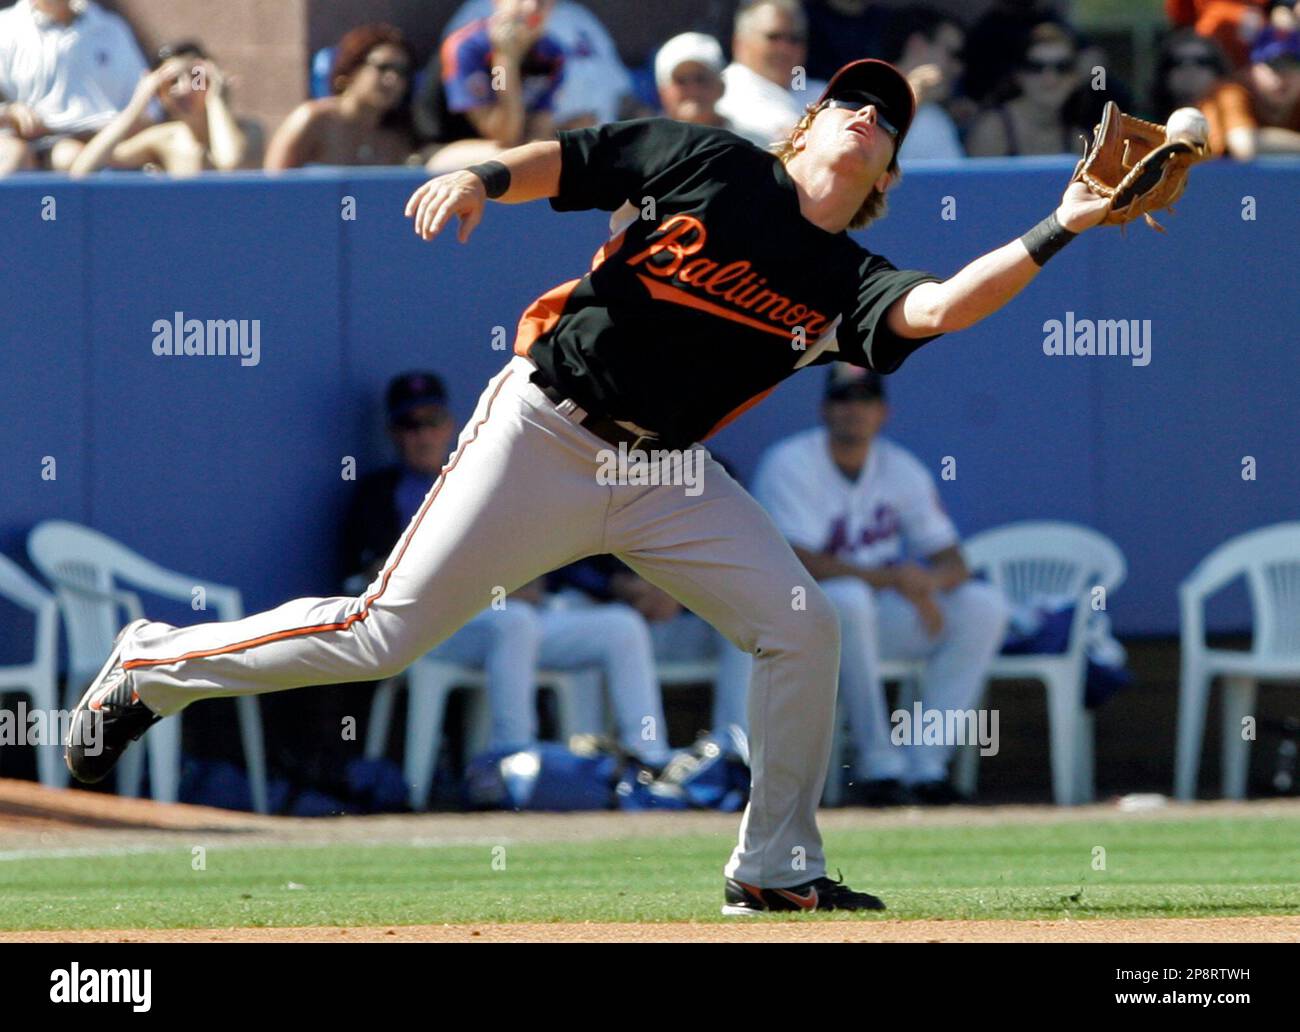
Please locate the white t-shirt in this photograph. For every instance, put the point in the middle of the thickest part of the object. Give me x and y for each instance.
(891, 512)
(75, 77)
(933, 135)
(595, 80)
(758, 109)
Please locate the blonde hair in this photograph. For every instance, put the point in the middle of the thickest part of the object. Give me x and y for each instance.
(875, 205)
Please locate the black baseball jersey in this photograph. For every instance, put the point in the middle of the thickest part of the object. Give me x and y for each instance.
(715, 291)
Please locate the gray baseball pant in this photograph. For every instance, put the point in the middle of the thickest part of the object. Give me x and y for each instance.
(520, 497)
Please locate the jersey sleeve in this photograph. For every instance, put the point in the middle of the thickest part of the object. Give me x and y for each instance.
(864, 337)
(780, 490)
(927, 528)
(554, 55)
(610, 164)
(466, 75)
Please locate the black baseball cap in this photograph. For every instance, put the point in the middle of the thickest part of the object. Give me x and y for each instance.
(846, 382)
(876, 82)
(412, 391)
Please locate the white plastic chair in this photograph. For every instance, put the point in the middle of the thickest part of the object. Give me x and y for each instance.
(430, 681)
(1269, 559)
(86, 569)
(37, 679)
(1032, 559)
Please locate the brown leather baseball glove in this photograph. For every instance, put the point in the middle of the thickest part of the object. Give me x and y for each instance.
(1131, 162)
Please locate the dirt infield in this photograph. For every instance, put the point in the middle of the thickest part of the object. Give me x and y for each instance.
(37, 821)
(1211, 929)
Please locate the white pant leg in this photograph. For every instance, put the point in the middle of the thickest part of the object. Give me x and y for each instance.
(504, 643)
(861, 690)
(517, 498)
(974, 623)
(720, 555)
(615, 638)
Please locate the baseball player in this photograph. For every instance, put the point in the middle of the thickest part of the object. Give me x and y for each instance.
(737, 273)
(863, 515)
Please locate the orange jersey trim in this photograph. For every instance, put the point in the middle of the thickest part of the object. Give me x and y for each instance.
(738, 411)
(342, 625)
(540, 317)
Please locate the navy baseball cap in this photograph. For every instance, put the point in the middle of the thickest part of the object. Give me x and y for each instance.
(846, 382)
(877, 82)
(412, 391)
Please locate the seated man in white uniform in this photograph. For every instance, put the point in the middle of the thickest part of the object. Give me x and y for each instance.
(515, 636)
(864, 516)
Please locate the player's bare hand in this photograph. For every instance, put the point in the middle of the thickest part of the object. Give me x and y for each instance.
(461, 194)
(925, 81)
(22, 119)
(1080, 208)
(930, 613)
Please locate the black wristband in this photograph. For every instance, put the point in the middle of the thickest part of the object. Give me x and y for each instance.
(495, 176)
(1045, 239)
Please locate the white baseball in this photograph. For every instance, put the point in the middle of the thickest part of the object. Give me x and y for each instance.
(1187, 123)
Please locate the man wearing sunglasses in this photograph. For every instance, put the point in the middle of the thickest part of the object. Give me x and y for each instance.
(769, 42)
(739, 275)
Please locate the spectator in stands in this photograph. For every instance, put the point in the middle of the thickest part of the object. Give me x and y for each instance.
(512, 636)
(1098, 85)
(688, 75)
(67, 67)
(496, 85)
(202, 133)
(994, 45)
(864, 516)
(1033, 121)
(596, 87)
(1233, 24)
(1193, 72)
(769, 45)
(366, 121)
(840, 31)
(926, 46)
(1273, 80)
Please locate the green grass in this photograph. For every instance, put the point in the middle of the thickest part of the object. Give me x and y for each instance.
(1194, 867)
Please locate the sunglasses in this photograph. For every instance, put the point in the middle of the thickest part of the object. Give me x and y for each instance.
(381, 67)
(1062, 67)
(851, 103)
(413, 423)
(785, 37)
(1194, 61)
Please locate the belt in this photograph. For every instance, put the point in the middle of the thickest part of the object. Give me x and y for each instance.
(608, 430)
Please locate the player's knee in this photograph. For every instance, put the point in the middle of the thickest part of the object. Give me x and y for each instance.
(623, 627)
(516, 621)
(980, 608)
(854, 601)
(815, 627)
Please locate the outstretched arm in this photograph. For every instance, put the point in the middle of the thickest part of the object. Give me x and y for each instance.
(534, 172)
(990, 281)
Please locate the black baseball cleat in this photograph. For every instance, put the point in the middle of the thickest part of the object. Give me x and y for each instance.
(823, 893)
(109, 717)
